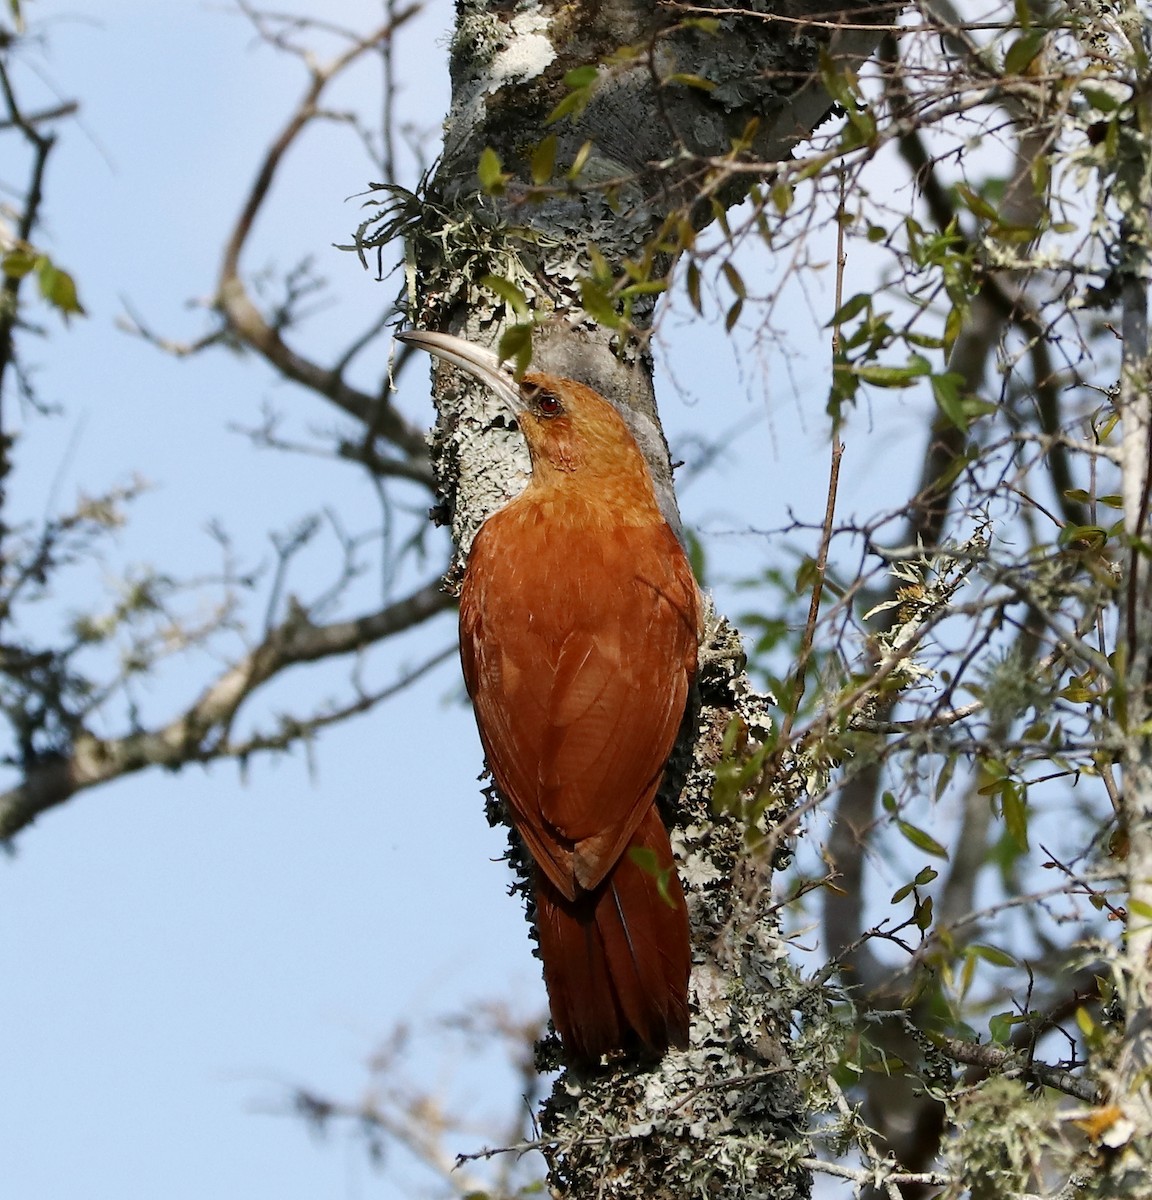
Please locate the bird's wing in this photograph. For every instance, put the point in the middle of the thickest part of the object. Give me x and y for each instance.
(578, 653)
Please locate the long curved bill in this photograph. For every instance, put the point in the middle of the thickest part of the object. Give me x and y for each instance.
(482, 364)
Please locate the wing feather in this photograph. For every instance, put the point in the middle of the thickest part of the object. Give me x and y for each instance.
(578, 644)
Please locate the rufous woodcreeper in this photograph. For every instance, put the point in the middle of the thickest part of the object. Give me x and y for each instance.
(579, 621)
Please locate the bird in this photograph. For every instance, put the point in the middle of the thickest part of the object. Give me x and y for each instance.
(579, 628)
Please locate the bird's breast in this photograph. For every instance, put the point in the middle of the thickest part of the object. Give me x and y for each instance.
(553, 566)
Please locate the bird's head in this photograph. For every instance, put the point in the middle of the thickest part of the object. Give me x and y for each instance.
(570, 428)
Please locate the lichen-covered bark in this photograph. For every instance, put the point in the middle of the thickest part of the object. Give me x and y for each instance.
(647, 142)
(722, 1118)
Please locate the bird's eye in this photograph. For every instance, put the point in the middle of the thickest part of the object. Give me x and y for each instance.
(546, 403)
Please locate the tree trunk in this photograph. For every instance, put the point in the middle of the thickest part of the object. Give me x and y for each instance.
(1132, 1082)
(724, 1118)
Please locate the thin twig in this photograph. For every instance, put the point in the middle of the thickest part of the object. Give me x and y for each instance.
(246, 320)
(800, 674)
(200, 733)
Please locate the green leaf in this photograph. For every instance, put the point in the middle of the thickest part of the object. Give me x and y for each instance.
(692, 285)
(993, 954)
(1000, 1026)
(490, 173)
(967, 974)
(1013, 804)
(926, 341)
(515, 346)
(921, 839)
(720, 214)
(1014, 235)
(850, 308)
(573, 172)
(692, 81)
(953, 324)
(599, 303)
(582, 81)
(544, 160)
(1101, 100)
(733, 316)
(945, 776)
(976, 203)
(1078, 689)
(646, 287)
(946, 392)
(697, 556)
(601, 271)
(581, 77)
(889, 377)
(1023, 51)
(19, 262)
(1083, 537)
(735, 280)
(735, 733)
(840, 81)
(572, 103)
(807, 574)
(648, 862)
(845, 385)
(58, 288)
(645, 859)
(508, 292)
(861, 129)
(886, 1064)
(925, 876)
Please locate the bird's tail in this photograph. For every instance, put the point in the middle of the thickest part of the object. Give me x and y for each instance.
(617, 959)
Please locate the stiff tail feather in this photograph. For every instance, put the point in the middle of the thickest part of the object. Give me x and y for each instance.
(617, 959)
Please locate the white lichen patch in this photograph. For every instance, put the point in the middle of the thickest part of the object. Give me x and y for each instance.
(501, 53)
(697, 870)
(526, 54)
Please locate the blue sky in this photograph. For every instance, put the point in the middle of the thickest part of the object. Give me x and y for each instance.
(178, 949)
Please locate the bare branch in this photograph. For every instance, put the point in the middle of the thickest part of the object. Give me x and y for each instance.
(1005, 1060)
(246, 320)
(41, 144)
(201, 734)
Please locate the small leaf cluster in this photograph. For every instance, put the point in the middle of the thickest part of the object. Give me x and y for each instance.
(867, 333)
(57, 286)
